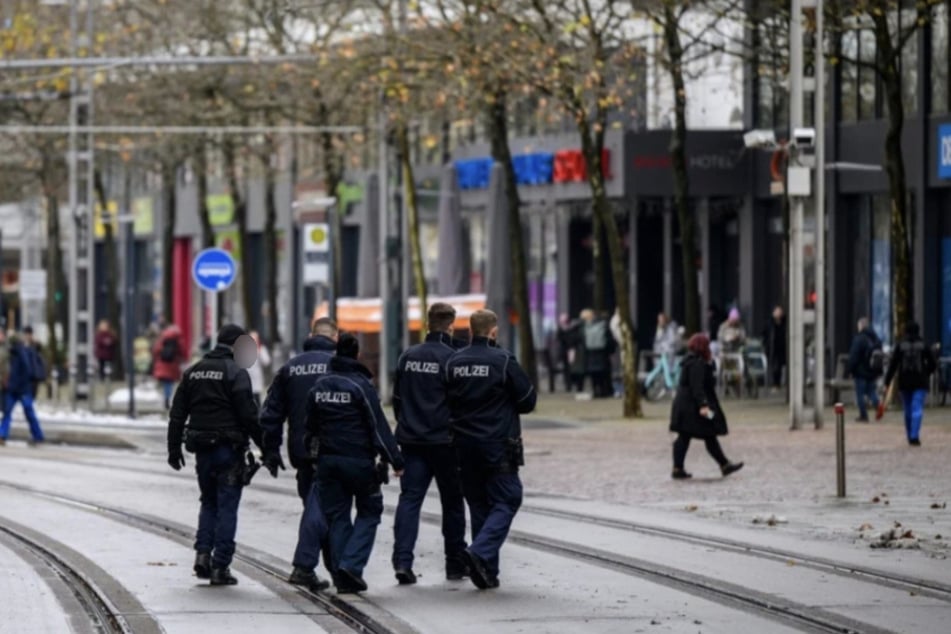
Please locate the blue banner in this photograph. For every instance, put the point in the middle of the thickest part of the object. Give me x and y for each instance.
(944, 151)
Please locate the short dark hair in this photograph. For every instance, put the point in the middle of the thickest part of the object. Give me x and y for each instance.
(348, 346)
(482, 322)
(324, 326)
(441, 317)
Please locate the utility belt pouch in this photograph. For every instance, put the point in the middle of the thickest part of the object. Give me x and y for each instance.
(201, 440)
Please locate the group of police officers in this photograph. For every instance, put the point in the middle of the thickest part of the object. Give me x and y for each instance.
(457, 407)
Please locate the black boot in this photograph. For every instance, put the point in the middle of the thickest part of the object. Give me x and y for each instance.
(730, 467)
(202, 565)
(405, 576)
(222, 577)
(456, 568)
(308, 579)
(348, 582)
(680, 474)
(479, 573)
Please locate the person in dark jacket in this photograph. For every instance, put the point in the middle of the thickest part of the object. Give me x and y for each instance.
(696, 412)
(860, 367)
(345, 416)
(287, 400)
(23, 364)
(774, 341)
(487, 391)
(422, 429)
(215, 400)
(913, 362)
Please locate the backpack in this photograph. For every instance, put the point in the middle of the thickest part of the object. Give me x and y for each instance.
(913, 358)
(876, 355)
(596, 335)
(169, 351)
(37, 366)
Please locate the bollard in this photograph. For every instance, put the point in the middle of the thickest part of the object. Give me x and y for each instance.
(840, 450)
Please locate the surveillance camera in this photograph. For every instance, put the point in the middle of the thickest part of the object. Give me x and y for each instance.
(760, 139)
(804, 137)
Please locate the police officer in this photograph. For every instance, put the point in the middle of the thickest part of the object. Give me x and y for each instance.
(215, 400)
(487, 391)
(422, 416)
(344, 414)
(287, 400)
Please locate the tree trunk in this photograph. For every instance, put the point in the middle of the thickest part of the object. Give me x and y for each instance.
(333, 175)
(678, 155)
(204, 213)
(592, 146)
(55, 279)
(170, 208)
(271, 247)
(897, 181)
(501, 152)
(111, 273)
(597, 255)
(412, 223)
(241, 224)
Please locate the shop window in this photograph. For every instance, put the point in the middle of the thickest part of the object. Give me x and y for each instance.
(867, 93)
(849, 74)
(940, 59)
(881, 267)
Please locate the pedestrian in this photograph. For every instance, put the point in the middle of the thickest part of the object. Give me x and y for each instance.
(598, 348)
(566, 347)
(287, 399)
(345, 416)
(913, 362)
(487, 391)
(866, 364)
(422, 429)
(106, 345)
(39, 365)
(24, 364)
(168, 354)
(774, 338)
(696, 412)
(577, 358)
(256, 371)
(214, 401)
(732, 334)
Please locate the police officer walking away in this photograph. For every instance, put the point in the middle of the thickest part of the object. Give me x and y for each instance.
(215, 400)
(487, 392)
(344, 414)
(287, 399)
(422, 417)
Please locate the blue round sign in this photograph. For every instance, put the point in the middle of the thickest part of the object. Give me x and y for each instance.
(214, 270)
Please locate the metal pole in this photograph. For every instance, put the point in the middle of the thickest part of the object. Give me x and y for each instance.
(840, 450)
(820, 204)
(130, 310)
(73, 188)
(331, 263)
(212, 299)
(796, 343)
(385, 326)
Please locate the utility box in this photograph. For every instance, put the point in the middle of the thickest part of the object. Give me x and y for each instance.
(799, 181)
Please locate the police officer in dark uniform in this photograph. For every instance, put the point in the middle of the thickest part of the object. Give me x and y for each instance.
(487, 392)
(344, 414)
(422, 416)
(287, 400)
(215, 400)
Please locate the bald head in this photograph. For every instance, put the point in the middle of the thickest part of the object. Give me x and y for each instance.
(324, 327)
(484, 323)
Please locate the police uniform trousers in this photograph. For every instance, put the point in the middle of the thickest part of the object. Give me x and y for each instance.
(220, 478)
(344, 482)
(493, 491)
(422, 464)
(312, 532)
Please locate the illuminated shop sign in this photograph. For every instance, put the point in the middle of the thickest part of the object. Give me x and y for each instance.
(538, 168)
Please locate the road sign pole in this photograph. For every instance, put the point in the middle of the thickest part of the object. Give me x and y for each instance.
(212, 299)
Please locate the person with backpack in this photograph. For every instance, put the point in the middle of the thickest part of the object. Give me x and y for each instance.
(19, 387)
(913, 362)
(168, 355)
(866, 364)
(598, 348)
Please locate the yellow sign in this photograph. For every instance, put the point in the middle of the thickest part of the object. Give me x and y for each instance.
(318, 235)
(143, 222)
(99, 226)
(220, 209)
(230, 241)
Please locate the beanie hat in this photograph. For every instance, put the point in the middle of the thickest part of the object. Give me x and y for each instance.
(229, 334)
(734, 314)
(348, 346)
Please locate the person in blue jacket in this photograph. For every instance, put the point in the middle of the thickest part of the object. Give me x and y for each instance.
(345, 417)
(25, 367)
(422, 429)
(287, 400)
(487, 392)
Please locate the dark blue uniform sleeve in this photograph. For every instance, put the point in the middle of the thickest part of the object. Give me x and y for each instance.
(382, 434)
(857, 353)
(274, 413)
(520, 387)
(397, 397)
(177, 417)
(893, 364)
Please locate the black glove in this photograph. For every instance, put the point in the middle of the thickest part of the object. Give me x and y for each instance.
(176, 460)
(273, 462)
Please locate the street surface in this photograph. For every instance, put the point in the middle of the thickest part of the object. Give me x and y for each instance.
(605, 541)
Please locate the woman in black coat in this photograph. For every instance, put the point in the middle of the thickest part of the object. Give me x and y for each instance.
(696, 412)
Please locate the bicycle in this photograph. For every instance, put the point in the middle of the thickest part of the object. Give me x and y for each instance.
(664, 378)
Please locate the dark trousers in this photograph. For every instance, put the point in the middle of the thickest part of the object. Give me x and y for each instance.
(312, 532)
(423, 463)
(776, 367)
(866, 389)
(682, 444)
(343, 482)
(494, 498)
(220, 473)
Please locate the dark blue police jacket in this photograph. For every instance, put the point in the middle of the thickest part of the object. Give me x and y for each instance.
(487, 391)
(419, 392)
(23, 362)
(343, 411)
(287, 399)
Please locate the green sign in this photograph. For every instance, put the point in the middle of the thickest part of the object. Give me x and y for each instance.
(220, 209)
(348, 194)
(143, 219)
